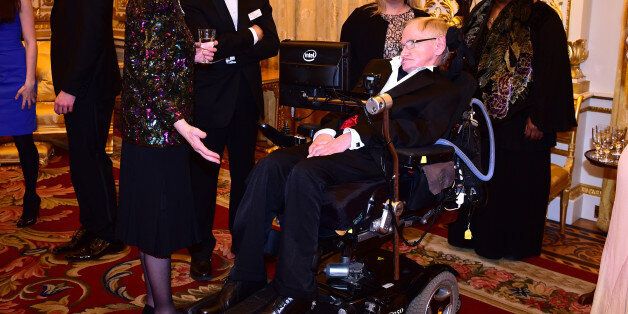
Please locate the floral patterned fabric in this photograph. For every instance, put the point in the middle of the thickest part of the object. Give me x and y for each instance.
(505, 62)
(392, 46)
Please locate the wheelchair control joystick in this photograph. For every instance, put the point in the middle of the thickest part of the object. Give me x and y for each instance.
(370, 83)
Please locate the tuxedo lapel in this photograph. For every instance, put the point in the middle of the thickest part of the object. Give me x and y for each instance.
(223, 12)
(243, 16)
(417, 81)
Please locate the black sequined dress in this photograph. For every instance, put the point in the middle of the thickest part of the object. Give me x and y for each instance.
(156, 211)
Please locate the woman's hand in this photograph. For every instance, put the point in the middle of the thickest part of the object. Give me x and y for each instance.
(326, 147)
(28, 94)
(193, 136)
(531, 131)
(205, 52)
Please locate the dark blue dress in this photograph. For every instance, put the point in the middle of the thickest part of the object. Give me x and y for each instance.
(13, 120)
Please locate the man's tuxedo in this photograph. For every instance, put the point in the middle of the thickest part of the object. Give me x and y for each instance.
(228, 97)
(424, 105)
(83, 56)
(84, 65)
(218, 85)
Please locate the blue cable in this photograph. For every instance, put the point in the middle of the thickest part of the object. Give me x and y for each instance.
(465, 158)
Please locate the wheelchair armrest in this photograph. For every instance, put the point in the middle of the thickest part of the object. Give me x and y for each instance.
(308, 129)
(420, 156)
(278, 138)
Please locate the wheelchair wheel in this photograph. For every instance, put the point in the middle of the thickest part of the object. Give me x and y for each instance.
(441, 295)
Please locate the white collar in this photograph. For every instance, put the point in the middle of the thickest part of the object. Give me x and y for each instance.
(395, 64)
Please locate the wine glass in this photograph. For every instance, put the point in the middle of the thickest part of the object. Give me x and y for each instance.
(597, 141)
(607, 144)
(619, 136)
(206, 35)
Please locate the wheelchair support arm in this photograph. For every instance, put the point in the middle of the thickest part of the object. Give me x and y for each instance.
(397, 205)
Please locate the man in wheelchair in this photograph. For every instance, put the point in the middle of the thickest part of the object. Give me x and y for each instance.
(292, 181)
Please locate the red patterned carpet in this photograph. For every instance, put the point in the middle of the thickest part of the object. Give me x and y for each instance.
(32, 280)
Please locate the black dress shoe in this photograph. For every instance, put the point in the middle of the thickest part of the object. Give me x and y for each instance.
(232, 293)
(30, 211)
(95, 249)
(79, 239)
(256, 302)
(148, 309)
(285, 305)
(201, 269)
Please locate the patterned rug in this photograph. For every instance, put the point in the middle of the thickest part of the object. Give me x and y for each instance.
(33, 280)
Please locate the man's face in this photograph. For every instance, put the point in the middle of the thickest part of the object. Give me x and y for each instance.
(423, 53)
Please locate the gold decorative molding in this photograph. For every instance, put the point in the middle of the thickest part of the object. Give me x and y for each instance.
(596, 109)
(445, 9)
(582, 189)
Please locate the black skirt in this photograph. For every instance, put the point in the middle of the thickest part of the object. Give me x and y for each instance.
(156, 211)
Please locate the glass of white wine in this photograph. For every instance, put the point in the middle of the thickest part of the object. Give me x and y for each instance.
(206, 35)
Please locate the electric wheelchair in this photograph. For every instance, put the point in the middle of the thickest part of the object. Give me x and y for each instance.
(355, 274)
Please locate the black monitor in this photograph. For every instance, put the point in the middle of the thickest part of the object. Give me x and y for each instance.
(312, 69)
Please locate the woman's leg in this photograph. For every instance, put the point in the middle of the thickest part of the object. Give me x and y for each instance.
(157, 277)
(29, 160)
(149, 293)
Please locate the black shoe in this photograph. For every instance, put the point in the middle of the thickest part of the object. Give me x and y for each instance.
(201, 269)
(285, 305)
(232, 293)
(79, 239)
(30, 211)
(255, 302)
(148, 309)
(95, 249)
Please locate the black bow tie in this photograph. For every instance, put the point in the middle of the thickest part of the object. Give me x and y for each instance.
(401, 74)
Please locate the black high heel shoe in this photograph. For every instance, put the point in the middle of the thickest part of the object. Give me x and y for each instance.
(30, 212)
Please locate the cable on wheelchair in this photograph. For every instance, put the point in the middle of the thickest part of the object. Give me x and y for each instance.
(399, 230)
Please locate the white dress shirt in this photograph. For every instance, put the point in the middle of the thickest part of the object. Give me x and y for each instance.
(232, 6)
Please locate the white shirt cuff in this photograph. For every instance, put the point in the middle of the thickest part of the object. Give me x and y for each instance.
(356, 140)
(255, 39)
(327, 131)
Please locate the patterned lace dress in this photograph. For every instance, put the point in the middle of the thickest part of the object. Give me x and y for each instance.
(396, 22)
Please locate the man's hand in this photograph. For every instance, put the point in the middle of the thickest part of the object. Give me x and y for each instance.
(326, 147)
(64, 103)
(193, 136)
(532, 132)
(205, 52)
(28, 94)
(258, 30)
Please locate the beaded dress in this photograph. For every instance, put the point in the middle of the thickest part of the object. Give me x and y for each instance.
(156, 210)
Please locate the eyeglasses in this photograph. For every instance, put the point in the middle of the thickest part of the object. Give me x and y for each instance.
(412, 42)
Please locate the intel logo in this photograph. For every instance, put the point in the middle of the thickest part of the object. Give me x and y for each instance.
(309, 55)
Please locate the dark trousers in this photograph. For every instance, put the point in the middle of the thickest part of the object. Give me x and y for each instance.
(90, 167)
(239, 137)
(287, 179)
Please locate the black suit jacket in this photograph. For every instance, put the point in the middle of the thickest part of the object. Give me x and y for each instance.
(82, 51)
(218, 85)
(423, 108)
